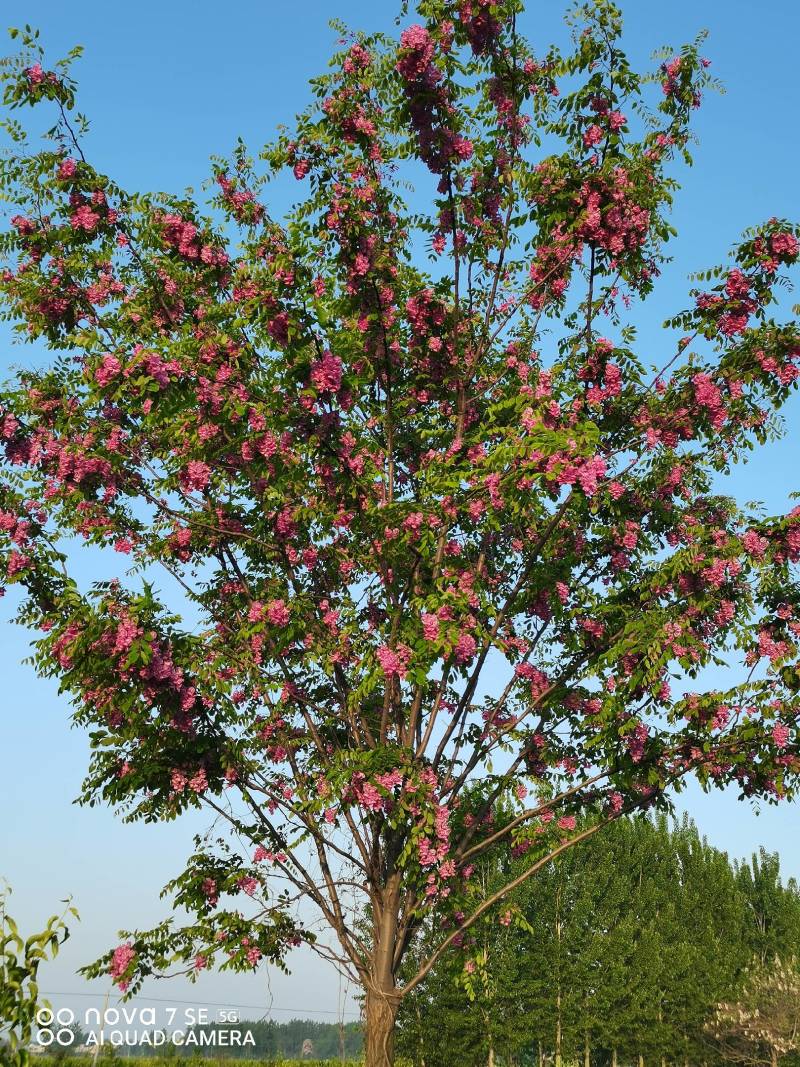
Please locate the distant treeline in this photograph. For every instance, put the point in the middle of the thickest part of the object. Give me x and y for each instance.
(617, 953)
(270, 1041)
(85, 1060)
(286, 1039)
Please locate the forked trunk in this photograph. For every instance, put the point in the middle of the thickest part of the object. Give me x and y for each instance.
(380, 1017)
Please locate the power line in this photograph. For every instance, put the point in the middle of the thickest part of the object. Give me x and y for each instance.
(211, 1004)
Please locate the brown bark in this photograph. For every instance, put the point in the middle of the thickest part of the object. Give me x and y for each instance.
(382, 1000)
(558, 1061)
(380, 1016)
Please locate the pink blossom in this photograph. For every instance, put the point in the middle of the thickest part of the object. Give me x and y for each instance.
(394, 661)
(636, 741)
(427, 853)
(121, 960)
(178, 781)
(780, 734)
(196, 475)
(198, 783)
(754, 543)
(278, 613)
(593, 135)
(326, 373)
(83, 218)
(66, 169)
(465, 649)
(784, 244)
(417, 51)
(370, 798)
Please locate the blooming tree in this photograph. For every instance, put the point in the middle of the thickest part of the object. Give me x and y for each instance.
(412, 546)
(763, 1025)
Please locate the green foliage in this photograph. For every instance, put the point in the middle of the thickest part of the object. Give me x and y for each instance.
(630, 941)
(20, 960)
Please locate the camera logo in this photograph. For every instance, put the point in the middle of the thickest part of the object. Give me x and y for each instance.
(56, 1027)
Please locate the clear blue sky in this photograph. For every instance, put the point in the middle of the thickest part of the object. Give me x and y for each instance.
(167, 84)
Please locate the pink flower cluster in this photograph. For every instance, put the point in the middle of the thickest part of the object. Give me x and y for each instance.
(121, 960)
(185, 238)
(394, 661)
(481, 26)
(612, 219)
(326, 373)
(195, 476)
(427, 102)
(708, 396)
(432, 852)
(781, 734)
(198, 783)
(636, 741)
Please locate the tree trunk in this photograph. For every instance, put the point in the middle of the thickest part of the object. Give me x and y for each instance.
(558, 978)
(382, 1002)
(380, 1016)
(613, 1057)
(490, 1061)
(774, 1056)
(587, 1052)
